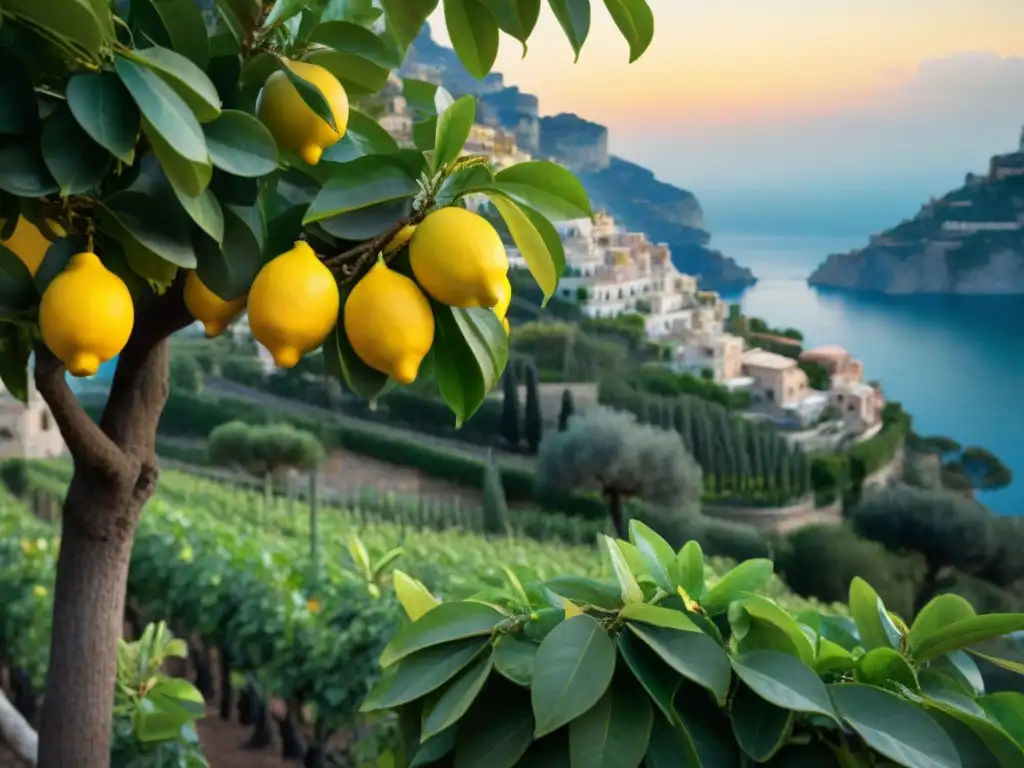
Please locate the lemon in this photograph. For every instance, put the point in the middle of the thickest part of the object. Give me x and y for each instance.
(401, 238)
(86, 315)
(504, 299)
(293, 304)
(458, 258)
(294, 126)
(208, 308)
(389, 323)
(29, 244)
(506, 326)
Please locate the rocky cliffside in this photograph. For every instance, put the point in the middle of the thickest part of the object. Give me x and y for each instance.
(969, 241)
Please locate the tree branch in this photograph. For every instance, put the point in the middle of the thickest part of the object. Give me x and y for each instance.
(88, 444)
(369, 249)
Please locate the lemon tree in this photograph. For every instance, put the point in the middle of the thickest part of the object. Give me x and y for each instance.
(166, 161)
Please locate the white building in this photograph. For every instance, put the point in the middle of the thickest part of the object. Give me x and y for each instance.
(28, 431)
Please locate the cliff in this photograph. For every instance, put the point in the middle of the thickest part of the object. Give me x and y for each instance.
(629, 192)
(969, 241)
(666, 214)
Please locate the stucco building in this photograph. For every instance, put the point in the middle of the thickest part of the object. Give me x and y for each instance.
(28, 431)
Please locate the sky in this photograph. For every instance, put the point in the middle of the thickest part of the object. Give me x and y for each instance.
(758, 105)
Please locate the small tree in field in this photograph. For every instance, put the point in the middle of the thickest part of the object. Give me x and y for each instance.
(567, 410)
(495, 507)
(532, 420)
(510, 408)
(161, 165)
(186, 375)
(610, 452)
(265, 450)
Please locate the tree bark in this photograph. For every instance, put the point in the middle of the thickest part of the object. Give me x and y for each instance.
(115, 474)
(615, 509)
(225, 683)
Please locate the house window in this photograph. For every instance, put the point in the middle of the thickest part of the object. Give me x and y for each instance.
(851, 407)
(44, 421)
(6, 434)
(770, 394)
(839, 399)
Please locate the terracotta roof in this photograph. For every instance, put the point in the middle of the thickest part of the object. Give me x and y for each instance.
(827, 350)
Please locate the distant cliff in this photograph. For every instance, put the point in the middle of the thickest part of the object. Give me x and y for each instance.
(969, 241)
(631, 193)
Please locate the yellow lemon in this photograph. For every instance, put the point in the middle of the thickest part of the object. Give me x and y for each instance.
(506, 326)
(86, 315)
(389, 323)
(459, 259)
(290, 120)
(29, 244)
(400, 239)
(293, 304)
(208, 308)
(504, 298)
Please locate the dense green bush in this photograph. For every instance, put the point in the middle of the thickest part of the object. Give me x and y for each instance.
(666, 668)
(562, 352)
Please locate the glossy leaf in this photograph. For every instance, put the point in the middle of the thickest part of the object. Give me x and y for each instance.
(453, 128)
(761, 728)
(516, 18)
(616, 731)
(548, 188)
(670, 745)
(784, 681)
(405, 18)
(690, 567)
(57, 257)
(894, 727)
(629, 589)
(514, 660)
(760, 624)
(191, 83)
(873, 623)
(585, 591)
(17, 289)
(530, 242)
(657, 616)
(74, 24)
(658, 555)
(132, 215)
(422, 672)
(19, 113)
(15, 349)
(572, 670)
(183, 23)
(241, 145)
(228, 269)
(495, 742)
(312, 95)
(658, 679)
(362, 183)
(574, 18)
(415, 598)
(104, 109)
(962, 634)
(748, 576)
(447, 706)
(342, 361)
(885, 667)
(693, 655)
(474, 35)
(74, 160)
(447, 622)
(470, 353)
(23, 172)
(636, 23)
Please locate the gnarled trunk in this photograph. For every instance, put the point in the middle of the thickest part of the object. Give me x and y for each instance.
(115, 474)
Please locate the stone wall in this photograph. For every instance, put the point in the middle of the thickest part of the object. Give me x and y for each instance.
(778, 520)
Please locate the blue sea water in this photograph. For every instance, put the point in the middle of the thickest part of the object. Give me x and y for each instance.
(955, 362)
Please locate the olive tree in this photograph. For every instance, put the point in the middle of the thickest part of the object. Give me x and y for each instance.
(608, 451)
(128, 130)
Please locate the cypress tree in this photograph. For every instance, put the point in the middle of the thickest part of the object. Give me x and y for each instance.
(724, 437)
(509, 424)
(782, 465)
(568, 409)
(495, 508)
(755, 444)
(534, 428)
(742, 448)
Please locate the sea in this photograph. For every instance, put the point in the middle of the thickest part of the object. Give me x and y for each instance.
(956, 363)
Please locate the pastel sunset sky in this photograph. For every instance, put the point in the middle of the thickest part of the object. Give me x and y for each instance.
(894, 98)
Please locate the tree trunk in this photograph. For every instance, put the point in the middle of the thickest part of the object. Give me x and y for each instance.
(115, 474)
(293, 745)
(200, 655)
(316, 756)
(262, 736)
(24, 696)
(615, 509)
(225, 683)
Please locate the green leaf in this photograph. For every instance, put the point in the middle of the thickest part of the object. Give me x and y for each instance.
(873, 624)
(690, 567)
(132, 215)
(186, 79)
(573, 669)
(657, 616)
(342, 361)
(370, 222)
(1008, 664)
(514, 660)
(357, 74)
(938, 613)
(19, 112)
(425, 97)
(356, 39)
(748, 576)
(405, 18)
(1007, 709)
(761, 728)
(659, 680)
(15, 349)
(658, 555)
(422, 672)
(240, 14)
(56, 260)
(229, 268)
(759, 624)
(585, 591)
(73, 25)
(22, 170)
(574, 18)
(894, 727)
(474, 35)
(105, 110)
(432, 750)
(548, 188)
(313, 97)
(188, 178)
(707, 728)
(516, 18)
(784, 681)
(832, 658)
(693, 655)
(453, 127)
(158, 725)
(168, 114)
(74, 160)
(485, 739)
(530, 242)
(615, 732)
(629, 589)
(972, 749)
(965, 633)
(281, 11)
(670, 745)
(446, 707)
(183, 22)
(361, 183)
(470, 353)
(241, 145)
(636, 23)
(884, 667)
(368, 135)
(442, 624)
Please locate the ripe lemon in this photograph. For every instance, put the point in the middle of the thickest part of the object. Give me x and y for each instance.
(507, 327)
(458, 258)
(29, 244)
(290, 120)
(504, 299)
(86, 315)
(400, 239)
(389, 323)
(208, 308)
(293, 304)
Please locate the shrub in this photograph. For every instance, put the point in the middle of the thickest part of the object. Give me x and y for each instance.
(663, 668)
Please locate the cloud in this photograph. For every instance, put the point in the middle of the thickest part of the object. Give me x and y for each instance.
(920, 129)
